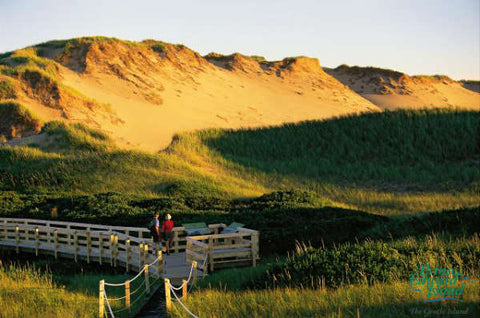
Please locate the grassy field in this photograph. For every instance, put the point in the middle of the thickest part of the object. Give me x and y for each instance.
(331, 183)
(42, 287)
(369, 279)
(27, 292)
(378, 300)
(388, 163)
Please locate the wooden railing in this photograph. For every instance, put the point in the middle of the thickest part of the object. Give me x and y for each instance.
(130, 247)
(221, 250)
(179, 240)
(80, 241)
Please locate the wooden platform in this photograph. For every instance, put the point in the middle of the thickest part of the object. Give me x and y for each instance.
(130, 247)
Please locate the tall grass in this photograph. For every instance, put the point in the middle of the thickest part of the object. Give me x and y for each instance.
(379, 300)
(26, 292)
(389, 163)
(372, 261)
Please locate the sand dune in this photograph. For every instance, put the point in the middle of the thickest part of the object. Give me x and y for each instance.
(390, 89)
(143, 94)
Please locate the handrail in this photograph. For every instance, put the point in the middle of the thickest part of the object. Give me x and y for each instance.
(99, 226)
(196, 242)
(217, 236)
(77, 224)
(106, 244)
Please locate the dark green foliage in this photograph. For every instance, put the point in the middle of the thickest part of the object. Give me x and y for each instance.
(258, 58)
(53, 44)
(370, 262)
(417, 149)
(279, 222)
(459, 222)
(5, 55)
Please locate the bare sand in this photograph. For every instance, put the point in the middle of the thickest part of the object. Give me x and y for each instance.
(155, 97)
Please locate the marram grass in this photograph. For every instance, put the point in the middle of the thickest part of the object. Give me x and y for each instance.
(26, 292)
(378, 300)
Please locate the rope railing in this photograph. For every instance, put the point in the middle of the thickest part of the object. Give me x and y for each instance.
(128, 247)
(105, 306)
(183, 305)
(170, 289)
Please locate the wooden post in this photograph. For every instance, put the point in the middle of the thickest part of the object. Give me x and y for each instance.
(100, 247)
(37, 241)
(111, 249)
(184, 289)
(55, 243)
(101, 299)
(140, 234)
(69, 236)
(159, 263)
(49, 233)
(115, 250)
(145, 254)
(127, 295)
(140, 261)
(187, 249)
(17, 239)
(89, 245)
(175, 240)
(168, 297)
(210, 254)
(127, 256)
(254, 249)
(5, 232)
(75, 244)
(27, 237)
(194, 264)
(147, 279)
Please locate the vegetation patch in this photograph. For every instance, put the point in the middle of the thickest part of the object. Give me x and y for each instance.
(17, 121)
(7, 89)
(371, 261)
(416, 150)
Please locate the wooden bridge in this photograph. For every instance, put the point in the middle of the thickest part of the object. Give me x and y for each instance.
(132, 248)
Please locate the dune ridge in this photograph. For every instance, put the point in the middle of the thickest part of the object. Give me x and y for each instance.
(143, 93)
(390, 89)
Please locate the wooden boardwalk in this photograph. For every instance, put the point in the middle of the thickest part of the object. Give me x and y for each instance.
(130, 247)
(104, 247)
(191, 257)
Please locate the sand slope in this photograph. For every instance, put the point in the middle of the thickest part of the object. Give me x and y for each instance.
(144, 93)
(390, 89)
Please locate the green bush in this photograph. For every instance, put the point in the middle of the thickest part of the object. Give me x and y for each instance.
(371, 262)
(280, 223)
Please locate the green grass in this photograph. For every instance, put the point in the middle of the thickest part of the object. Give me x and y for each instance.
(26, 292)
(43, 287)
(379, 300)
(370, 279)
(389, 163)
(421, 150)
(24, 121)
(372, 261)
(7, 89)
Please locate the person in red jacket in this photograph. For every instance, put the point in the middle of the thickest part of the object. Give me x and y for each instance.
(167, 228)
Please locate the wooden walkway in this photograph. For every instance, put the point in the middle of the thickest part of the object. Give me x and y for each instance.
(104, 247)
(191, 257)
